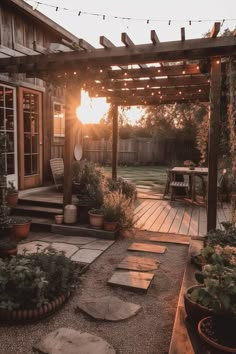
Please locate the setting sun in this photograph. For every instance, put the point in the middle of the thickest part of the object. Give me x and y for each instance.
(91, 110)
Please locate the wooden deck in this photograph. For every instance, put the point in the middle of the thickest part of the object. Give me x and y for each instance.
(176, 217)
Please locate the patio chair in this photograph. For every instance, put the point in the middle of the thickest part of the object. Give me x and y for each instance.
(57, 168)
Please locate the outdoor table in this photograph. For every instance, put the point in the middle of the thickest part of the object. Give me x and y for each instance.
(197, 171)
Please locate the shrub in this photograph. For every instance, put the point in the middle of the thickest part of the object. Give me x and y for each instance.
(126, 188)
(226, 237)
(29, 281)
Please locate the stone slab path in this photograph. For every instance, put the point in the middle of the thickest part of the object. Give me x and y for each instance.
(70, 341)
(147, 247)
(79, 249)
(109, 308)
(131, 280)
(141, 264)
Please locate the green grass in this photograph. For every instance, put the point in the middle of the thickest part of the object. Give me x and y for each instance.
(151, 177)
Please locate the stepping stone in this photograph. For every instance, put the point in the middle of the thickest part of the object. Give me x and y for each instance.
(142, 264)
(171, 239)
(99, 245)
(69, 341)
(131, 280)
(109, 308)
(64, 247)
(32, 247)
(86, 256)
(74, 240)
(147, 247)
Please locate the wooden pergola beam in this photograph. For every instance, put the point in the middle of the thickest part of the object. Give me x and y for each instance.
(129, 43)
(175, 90)
(215, 30)
(143, 53)
(158, 83)
(141, 101)
(154, 38)
(215, 104)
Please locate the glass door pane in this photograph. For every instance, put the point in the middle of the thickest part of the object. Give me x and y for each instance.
(31, 133)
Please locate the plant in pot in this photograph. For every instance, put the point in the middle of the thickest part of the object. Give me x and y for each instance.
(113, 210)
(8, 247)
(96, 218)
(35, 285)
(219, 294)
(201, 300)
(12, 195)
(20, 227)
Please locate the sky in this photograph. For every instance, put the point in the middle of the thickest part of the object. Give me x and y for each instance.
(166, 17)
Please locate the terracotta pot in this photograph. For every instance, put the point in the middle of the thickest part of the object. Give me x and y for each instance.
(10, 252)
(195, 311)
(59, 219)
(214, 347)
(110, 225)
(12, 199)
(96, 220)
(21, 231)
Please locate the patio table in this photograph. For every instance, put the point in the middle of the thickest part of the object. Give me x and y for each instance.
(198, 171)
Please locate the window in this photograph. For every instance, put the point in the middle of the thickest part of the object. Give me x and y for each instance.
(58, 120)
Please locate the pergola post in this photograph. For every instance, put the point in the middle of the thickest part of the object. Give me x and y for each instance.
(114, 141)
(72, 98)
(215, 96)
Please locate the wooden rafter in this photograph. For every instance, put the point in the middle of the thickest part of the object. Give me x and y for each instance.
(129, 43)
(120, 56)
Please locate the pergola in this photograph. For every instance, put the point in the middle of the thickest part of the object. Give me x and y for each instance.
(148, 74)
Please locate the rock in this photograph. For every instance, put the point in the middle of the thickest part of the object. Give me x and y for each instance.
(109, 308)
(70, 341)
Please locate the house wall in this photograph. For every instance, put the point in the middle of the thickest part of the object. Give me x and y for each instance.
(20, 34)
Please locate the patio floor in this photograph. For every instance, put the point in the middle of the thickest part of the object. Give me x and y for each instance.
(176, 217)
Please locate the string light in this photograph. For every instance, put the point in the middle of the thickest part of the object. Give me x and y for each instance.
(104, 16)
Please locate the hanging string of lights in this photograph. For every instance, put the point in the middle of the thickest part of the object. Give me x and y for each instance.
(147, 20)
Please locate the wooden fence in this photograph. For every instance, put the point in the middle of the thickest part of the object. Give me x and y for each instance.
(143, 151)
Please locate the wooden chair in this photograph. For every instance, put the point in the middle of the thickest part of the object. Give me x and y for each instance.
(57, 168)
(175, 185)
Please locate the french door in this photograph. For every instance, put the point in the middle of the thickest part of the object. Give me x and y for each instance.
(30, 138)
(8, 127)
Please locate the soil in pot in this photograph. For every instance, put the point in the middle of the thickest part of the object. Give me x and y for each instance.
(195, 311)
(219, 334)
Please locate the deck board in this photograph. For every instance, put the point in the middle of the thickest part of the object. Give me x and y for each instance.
(170, 217)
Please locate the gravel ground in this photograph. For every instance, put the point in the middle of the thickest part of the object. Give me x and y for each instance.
(149, 332)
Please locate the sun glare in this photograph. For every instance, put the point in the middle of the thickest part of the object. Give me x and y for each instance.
(91, 110)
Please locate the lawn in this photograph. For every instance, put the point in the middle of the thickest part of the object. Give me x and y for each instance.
(151, 178)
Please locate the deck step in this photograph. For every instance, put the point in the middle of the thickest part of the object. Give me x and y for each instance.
(41, 224)
(83, 230)
(37, 211)
(43, 203)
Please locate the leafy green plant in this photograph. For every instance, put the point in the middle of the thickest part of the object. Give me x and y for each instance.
(20, 219)
(96, 211)
(11, 189)
(29, 281)
(219, 289)
(226, 237)
(224, 256)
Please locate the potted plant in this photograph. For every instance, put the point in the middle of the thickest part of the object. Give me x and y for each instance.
(8, 247)
(12, 195)
(113, 210)
(96, 218)
(20, 227)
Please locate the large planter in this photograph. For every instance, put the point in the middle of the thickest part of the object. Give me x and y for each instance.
(21, 229)
(218, 335)
(29, 315)
(195, 311)
(12, 199)
(9, 252)
(96, 220)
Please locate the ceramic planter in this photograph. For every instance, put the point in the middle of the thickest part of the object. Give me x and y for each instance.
(110, 225)
(59, 219)
(12, 199)
(96, 220)
(21, 231)
(195, 311)
(213, 346)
